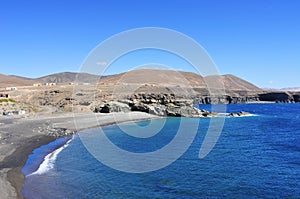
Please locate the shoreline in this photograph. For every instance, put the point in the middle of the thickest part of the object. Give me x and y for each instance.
(22, 136)
(14, 175)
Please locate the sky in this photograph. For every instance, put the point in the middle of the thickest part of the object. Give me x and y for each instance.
(256, 40)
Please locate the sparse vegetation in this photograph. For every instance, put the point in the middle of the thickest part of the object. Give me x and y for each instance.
(8, 100)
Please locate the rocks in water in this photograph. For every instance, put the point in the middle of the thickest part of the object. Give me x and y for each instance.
(239, 114)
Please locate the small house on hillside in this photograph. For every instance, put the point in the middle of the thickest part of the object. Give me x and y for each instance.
(11, 88)
(50, 84)
(37, 84)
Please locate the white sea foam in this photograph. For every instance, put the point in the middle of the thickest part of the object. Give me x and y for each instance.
(49, 160)
(249, 115)
(222, 114)
(227, 115)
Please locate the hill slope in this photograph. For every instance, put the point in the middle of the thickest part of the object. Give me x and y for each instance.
(160, 78)
(7, 80)
(176, 78)
(233, 83)
(68, 77)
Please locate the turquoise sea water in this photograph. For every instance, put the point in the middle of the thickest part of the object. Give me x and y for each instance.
(255, 157)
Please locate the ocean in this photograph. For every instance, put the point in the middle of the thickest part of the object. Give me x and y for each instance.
(255, 157)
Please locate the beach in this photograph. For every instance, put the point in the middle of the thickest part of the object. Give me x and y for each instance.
(20, 136)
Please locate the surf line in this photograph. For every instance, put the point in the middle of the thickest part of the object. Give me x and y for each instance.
(49, 160)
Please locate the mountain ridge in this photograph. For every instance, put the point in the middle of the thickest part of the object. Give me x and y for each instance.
(150, 76)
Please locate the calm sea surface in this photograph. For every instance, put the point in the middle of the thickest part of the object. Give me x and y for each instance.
(255, 157)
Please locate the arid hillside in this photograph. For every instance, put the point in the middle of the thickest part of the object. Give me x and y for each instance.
(58, 78)
(68, 77)
(165, 78)
(7, 80)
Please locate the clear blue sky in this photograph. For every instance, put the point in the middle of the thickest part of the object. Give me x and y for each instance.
(258, 40)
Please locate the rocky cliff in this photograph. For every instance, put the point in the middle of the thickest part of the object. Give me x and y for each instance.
(280, 97)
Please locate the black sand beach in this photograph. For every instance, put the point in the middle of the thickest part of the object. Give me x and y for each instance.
(20, 136)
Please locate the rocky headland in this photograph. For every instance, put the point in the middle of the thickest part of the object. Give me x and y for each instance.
(158, 92)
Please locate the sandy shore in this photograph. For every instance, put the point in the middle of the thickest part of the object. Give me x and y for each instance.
(20, 136)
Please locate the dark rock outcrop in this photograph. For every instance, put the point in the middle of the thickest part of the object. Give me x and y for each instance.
(276, 97)
(296, 98)
(140, 107)
(169, 109)
(225, 99)
(239, 114)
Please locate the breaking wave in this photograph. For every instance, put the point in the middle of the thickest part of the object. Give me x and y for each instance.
(49, 160)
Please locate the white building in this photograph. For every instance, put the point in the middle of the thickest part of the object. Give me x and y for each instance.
(11, 88)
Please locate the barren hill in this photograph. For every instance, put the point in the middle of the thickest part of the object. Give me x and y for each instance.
(233, 83)
(178, 78)
(7, 80)
(161, 78)
(155, 77)
(67, 77)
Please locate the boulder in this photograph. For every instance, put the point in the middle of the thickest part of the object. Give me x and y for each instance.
(239, 114)
(140, 107)
(105, 108)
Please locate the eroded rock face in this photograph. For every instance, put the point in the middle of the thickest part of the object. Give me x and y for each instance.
(296, 97)
(276, 97)
(169, 109)
(153, 98)
(226, 100)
